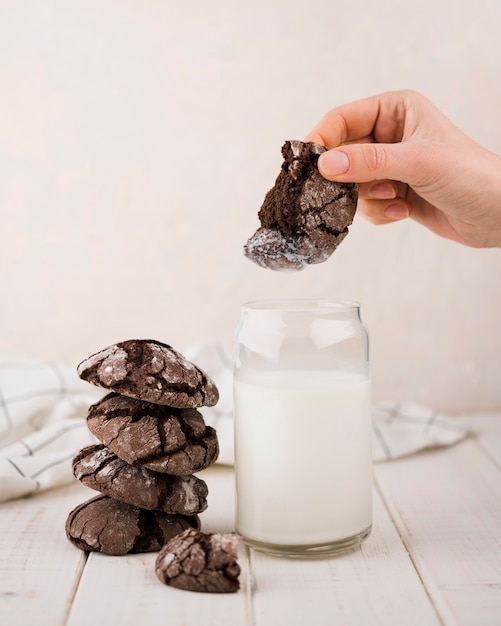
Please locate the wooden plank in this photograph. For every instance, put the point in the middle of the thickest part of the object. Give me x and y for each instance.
(376, 584)
(125, 590)
(39, 567)
(447, 507)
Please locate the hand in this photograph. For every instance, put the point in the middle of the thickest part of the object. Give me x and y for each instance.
(410, 160)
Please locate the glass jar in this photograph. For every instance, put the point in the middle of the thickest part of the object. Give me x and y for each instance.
(302, 427)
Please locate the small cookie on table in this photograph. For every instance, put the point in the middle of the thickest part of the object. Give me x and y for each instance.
(197, 561)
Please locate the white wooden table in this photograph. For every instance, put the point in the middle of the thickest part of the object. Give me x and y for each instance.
(434, 558)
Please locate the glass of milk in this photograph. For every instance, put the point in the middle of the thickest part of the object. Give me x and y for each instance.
(302, 427)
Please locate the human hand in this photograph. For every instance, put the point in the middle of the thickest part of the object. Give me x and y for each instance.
(410, 160)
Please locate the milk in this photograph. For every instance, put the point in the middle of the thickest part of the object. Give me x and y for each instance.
(303, 456)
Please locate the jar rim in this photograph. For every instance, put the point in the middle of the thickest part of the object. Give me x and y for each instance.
(301, 304)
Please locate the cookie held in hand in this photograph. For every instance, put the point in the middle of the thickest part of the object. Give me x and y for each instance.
(97, 467)
(197, 561)
(115, 528)
(152, 371)
(304, 217)
(159, 437)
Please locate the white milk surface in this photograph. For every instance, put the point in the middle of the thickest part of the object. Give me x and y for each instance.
(303, 456)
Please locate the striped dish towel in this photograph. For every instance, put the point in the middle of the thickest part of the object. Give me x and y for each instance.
(43, 408)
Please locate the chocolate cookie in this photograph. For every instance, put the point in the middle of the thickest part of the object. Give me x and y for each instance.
(106, 525)
(196, 561)
(151, 371)
(161, 438)
(304, 217)
(99, 468)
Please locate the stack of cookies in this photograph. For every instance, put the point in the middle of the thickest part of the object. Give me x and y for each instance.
(153, 439)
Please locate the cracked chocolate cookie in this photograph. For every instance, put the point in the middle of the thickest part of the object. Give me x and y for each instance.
(106, 525)
(304, 217)
(152, 371)
(161, 438)
(197, 561)
(99, 468)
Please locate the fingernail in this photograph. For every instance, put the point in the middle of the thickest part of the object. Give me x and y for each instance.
(382, 191)
(396, 211)
(334, 162)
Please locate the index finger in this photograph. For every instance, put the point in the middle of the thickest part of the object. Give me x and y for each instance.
(377, 118)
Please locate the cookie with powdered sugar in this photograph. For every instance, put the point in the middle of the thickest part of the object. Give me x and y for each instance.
(103, 524)
(158, 437)
(304, 217)
(152, 371)
(197, 561)
(97, 467)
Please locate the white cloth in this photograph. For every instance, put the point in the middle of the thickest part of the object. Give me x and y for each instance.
(43, 408)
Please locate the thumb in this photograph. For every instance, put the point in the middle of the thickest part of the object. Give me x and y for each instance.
(364, 162)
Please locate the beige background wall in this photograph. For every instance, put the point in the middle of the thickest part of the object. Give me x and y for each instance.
(138, 138)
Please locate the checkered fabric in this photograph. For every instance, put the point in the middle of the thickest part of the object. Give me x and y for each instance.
(43, 408)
